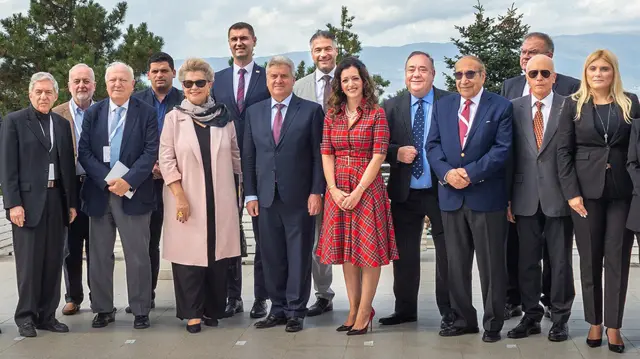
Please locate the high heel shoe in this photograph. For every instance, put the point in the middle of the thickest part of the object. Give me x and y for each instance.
(616, 348)
(366, 328)
(594, 343)
(344, 328)
(194, 328)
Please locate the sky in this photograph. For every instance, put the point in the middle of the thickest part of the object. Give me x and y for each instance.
(199, 27)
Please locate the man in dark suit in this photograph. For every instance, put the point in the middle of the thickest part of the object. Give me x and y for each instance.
(39, 195)
(542, 216)
(121, 132)
(413, 192)
(468, 148)
(163, 97)
(535, 43)
(284, 181)
(238, 87)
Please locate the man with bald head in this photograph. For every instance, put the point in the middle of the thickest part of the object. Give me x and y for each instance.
(468, 148)
(537, 206)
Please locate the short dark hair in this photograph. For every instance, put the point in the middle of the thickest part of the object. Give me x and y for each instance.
(241, 25)
(160, 57)
(417, 53)
(322, 33)
(544, 37)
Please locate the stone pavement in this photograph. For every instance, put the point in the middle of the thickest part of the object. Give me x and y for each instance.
(237, 338)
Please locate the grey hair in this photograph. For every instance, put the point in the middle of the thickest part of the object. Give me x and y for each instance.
(43, 76)
(544, 37)
(324, 34)
(77, 66)
(118, 63)
(282, 60)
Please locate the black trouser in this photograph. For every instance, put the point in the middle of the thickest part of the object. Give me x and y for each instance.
(408, 220)
(485, 233)
(39, 253)
(513, 285)
(603, 236)
(155, 231)
(556, 234)
(76, 243)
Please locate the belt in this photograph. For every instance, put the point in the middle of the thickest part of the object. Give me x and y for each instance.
(52, 184)
(81, 178)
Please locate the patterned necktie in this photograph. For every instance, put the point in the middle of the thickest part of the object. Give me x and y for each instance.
(277, 123)
(418, 140)
(462, 126)
(538, 124)
(116, 141)
(240, 94)
(327, 92)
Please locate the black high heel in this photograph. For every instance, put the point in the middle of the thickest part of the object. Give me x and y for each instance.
(194, 328)
(365, 329)
(594, 343)
(344, 328)
(616, 348)
(210, 322)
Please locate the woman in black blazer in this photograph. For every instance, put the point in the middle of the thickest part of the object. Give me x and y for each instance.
(594, 129)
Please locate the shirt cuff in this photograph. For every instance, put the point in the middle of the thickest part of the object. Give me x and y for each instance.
(248, 199)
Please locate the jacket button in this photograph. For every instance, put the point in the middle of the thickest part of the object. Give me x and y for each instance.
(462, 154)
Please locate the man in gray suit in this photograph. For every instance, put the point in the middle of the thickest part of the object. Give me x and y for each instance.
(316, 87)
(537, 207)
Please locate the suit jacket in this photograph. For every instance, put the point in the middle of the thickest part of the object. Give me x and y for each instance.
(565, 86)
(398, 111)
(222, 92)
(24, 164)
(534, 173)
(173, 99)
(484, 155)
(306, 88)
(139, 152)
(583, 155)
(633, 167)
(295, 161)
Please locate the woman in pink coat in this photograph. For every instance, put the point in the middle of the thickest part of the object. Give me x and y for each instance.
(199, 156)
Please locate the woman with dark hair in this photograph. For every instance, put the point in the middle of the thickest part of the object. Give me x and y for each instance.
(357, 229)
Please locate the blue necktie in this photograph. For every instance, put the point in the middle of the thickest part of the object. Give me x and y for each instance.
(418, 141)
(117, 138)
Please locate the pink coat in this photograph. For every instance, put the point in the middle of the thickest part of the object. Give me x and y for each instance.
(180, 160)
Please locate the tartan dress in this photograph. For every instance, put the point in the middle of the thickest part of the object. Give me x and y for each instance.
(363, 236)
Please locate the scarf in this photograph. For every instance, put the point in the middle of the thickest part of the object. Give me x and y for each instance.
(209, 114)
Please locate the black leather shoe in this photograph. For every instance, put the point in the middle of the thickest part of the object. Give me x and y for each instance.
(101, 320)
(526, 327)
(447, 320)
(320, 306)
(53, 326)
(234, 306)
(456, 331)
(259, 309)
(616, 348)
(27, 330)
(128, 309)
(491, 337)
(294, 325)
(210, 322)
(512, 310)
(559, 332)
(395, 319)
(270, 321)
(194, 328)
(141, 322)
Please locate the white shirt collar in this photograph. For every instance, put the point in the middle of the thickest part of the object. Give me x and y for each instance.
(75, 107)
(475, 99)
(249, 67)
(320, 74)
(285, 102)
(547, 101)
(113, 106)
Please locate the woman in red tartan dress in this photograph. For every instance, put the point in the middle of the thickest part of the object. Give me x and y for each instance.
(357, 229)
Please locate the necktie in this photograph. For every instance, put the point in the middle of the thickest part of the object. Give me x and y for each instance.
(327, 92)
(418, 140)
(277, 123)
(78, 130)
(116, 141)
(538, 124)
(240, 94)
(463, 126)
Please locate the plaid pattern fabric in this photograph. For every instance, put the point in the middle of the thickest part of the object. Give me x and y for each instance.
(363, 236)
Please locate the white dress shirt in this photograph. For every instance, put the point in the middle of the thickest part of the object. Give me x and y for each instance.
(320, 84)
(247, 78)
(112, 114)
(546, 109)
(527, 89)
(473, 108)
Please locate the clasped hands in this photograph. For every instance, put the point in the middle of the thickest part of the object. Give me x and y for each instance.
(458, 178)
(118, 186)
(346, 201)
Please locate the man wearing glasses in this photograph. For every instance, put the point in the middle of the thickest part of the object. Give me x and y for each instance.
(468, 148)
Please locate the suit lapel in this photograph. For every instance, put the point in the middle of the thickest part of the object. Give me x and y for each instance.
(255, 75)
(227, 81)
(294, 106)
(129, 124)
(266, 123)
(103, 122)
(518, 89)
(190, 130)
(483, 108)
(453, 115)
(404, 109)
(34, 126)
(526, 123)
(552, 122)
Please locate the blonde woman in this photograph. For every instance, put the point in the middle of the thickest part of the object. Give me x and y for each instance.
(594, 129)
(199, 156)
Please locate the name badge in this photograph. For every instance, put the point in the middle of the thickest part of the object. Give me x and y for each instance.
(52, 173)
(106, 154)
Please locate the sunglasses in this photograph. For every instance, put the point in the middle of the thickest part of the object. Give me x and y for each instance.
(199, 83)
(468, 74)
(534, 73)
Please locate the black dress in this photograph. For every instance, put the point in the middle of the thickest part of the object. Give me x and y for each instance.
(203, 290)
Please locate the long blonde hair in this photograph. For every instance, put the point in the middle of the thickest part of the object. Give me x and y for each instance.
(583, 95)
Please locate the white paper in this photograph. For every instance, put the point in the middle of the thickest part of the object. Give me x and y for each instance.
(118, 171)
(106, 154)
(52, 172)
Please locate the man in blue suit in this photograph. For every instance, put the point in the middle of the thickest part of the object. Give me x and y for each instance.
(468, 148)
(283, 183)
(119, 130)
(238, 87)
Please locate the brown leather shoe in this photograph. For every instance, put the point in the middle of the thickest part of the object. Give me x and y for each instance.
(70, 309)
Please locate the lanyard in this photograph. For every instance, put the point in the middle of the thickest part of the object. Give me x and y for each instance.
(77, 127)
(50, 131)
(120, 124)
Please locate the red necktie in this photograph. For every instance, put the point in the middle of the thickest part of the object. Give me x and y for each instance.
(462, 126)
(277, 123)
(240, 94)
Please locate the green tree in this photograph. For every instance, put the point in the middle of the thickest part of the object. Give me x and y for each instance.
(301, 70)
(495, 41)
(55, 35)
(231, 61)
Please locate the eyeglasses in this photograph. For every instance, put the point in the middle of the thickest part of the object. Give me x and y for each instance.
(534, 73)
(199, 83)
(468, 74)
